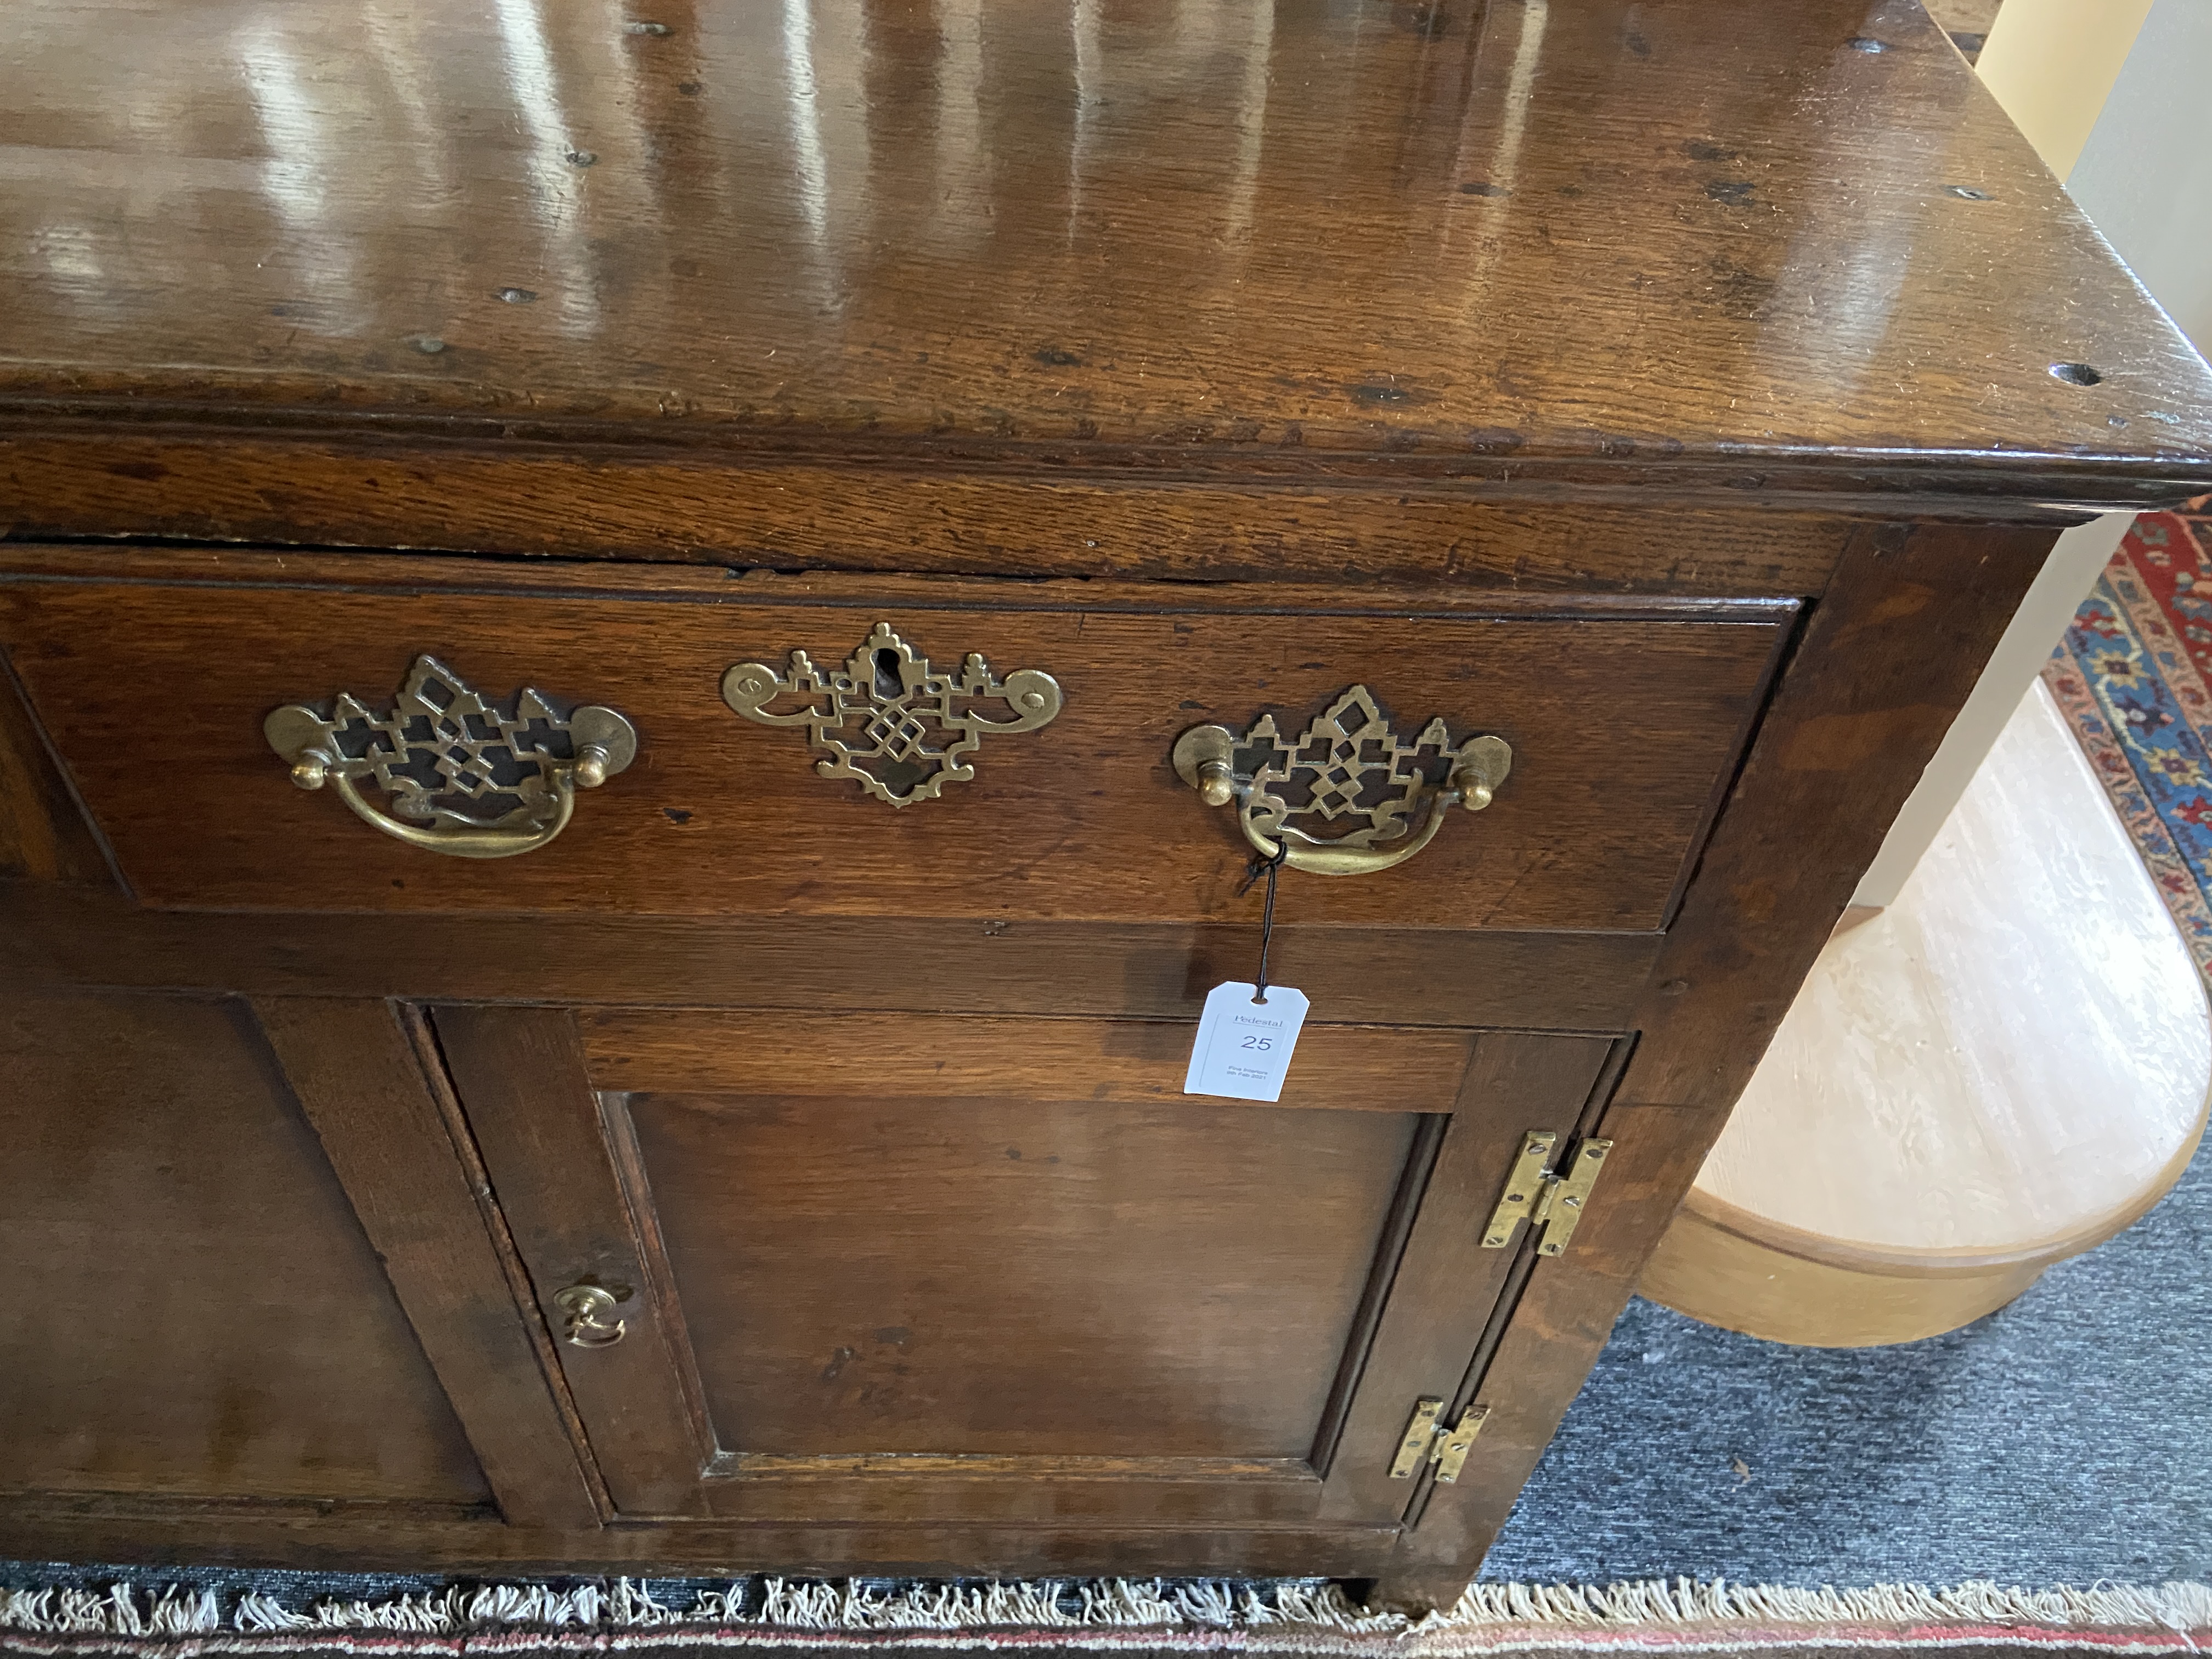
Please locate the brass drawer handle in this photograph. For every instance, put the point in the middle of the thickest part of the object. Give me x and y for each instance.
(586, 1325)
(887, 721)
(440, 742)
(1348, 764)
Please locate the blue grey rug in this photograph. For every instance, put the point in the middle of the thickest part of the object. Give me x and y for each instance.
(2064, 1440)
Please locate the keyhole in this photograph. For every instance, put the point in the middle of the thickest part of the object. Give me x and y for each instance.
(887, 674)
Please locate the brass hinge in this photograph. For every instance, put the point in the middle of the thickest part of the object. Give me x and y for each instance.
(1427, 1441)
(1552, 1199)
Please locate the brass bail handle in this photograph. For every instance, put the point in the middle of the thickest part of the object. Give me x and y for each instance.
(1357, 751)
(471, 752)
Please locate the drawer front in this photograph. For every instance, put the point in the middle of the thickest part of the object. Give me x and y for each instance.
(1623, 729)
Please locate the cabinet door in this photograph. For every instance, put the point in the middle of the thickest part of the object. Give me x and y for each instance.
(198, 1315)
(914, 1267)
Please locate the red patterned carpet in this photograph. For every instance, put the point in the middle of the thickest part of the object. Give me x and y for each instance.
(2132, 675)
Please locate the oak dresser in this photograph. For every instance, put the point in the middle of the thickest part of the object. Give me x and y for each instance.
(656, 650)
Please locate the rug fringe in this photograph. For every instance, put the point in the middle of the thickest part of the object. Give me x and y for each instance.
(2174, 1605)
(1097, 1603)
(126, 1609)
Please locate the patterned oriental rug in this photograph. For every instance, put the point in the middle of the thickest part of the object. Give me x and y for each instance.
(1105, 1616)
(2131, 675)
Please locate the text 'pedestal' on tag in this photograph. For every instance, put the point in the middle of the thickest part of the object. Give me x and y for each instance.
(1243, 1047)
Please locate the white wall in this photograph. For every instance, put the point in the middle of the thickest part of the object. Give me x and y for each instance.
(2052, 63)
(2120, 93)
(2145, 173)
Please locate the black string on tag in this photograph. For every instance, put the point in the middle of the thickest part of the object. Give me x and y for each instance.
(1269, 866)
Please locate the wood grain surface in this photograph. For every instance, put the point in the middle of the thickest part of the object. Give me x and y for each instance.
(1624, 733)
(898, 513)
(518, 1073)
(1741, 566)
(366, 1076)
(1711, 1273)
(2059, 1025)
(1032, 1278)
(1397, 976)
(339, 1540)
(940, 1057)
(1684, 389)
(45, 835)
(1446, 1287)
(1502, 236)
(897, 1270)
(199, 1315)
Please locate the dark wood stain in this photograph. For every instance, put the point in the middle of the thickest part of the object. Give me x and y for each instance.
(370, 1083)
(1683, 389)
(885, 262)
(1622, 729)
(201, 1316)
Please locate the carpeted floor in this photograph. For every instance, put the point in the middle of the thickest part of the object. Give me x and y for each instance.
(2064, 1440)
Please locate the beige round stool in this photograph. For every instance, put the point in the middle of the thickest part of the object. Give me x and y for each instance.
(2002, 1069)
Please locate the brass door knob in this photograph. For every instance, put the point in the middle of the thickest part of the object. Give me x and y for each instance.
(442, 747)
(1349, 766)
(587, 1326)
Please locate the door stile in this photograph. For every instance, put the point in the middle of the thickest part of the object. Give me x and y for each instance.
(520, 1075)
(1447, 1284)
(364, 1076)
(1523, 1371)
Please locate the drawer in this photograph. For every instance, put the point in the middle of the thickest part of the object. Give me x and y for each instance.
(1624, 721)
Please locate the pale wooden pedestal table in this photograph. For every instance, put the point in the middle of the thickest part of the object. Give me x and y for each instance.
(2001, 1070)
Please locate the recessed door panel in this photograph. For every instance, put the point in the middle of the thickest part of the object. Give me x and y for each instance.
(1019, 1278)
(198, 1314)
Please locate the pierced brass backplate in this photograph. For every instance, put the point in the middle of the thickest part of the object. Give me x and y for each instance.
(1552, 1199)
(441, 746)
(1347, 765)
(886, 719)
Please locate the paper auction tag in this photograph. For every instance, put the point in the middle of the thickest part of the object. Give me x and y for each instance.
(1243, 1047)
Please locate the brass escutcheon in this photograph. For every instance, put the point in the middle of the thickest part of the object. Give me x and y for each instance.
(886, 719)
(442, 745)
(1347, 765)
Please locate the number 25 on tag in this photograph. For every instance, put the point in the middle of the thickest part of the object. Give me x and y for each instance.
(1243, 1047)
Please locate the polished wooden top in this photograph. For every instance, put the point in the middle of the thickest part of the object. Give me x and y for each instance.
(1247, 236)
